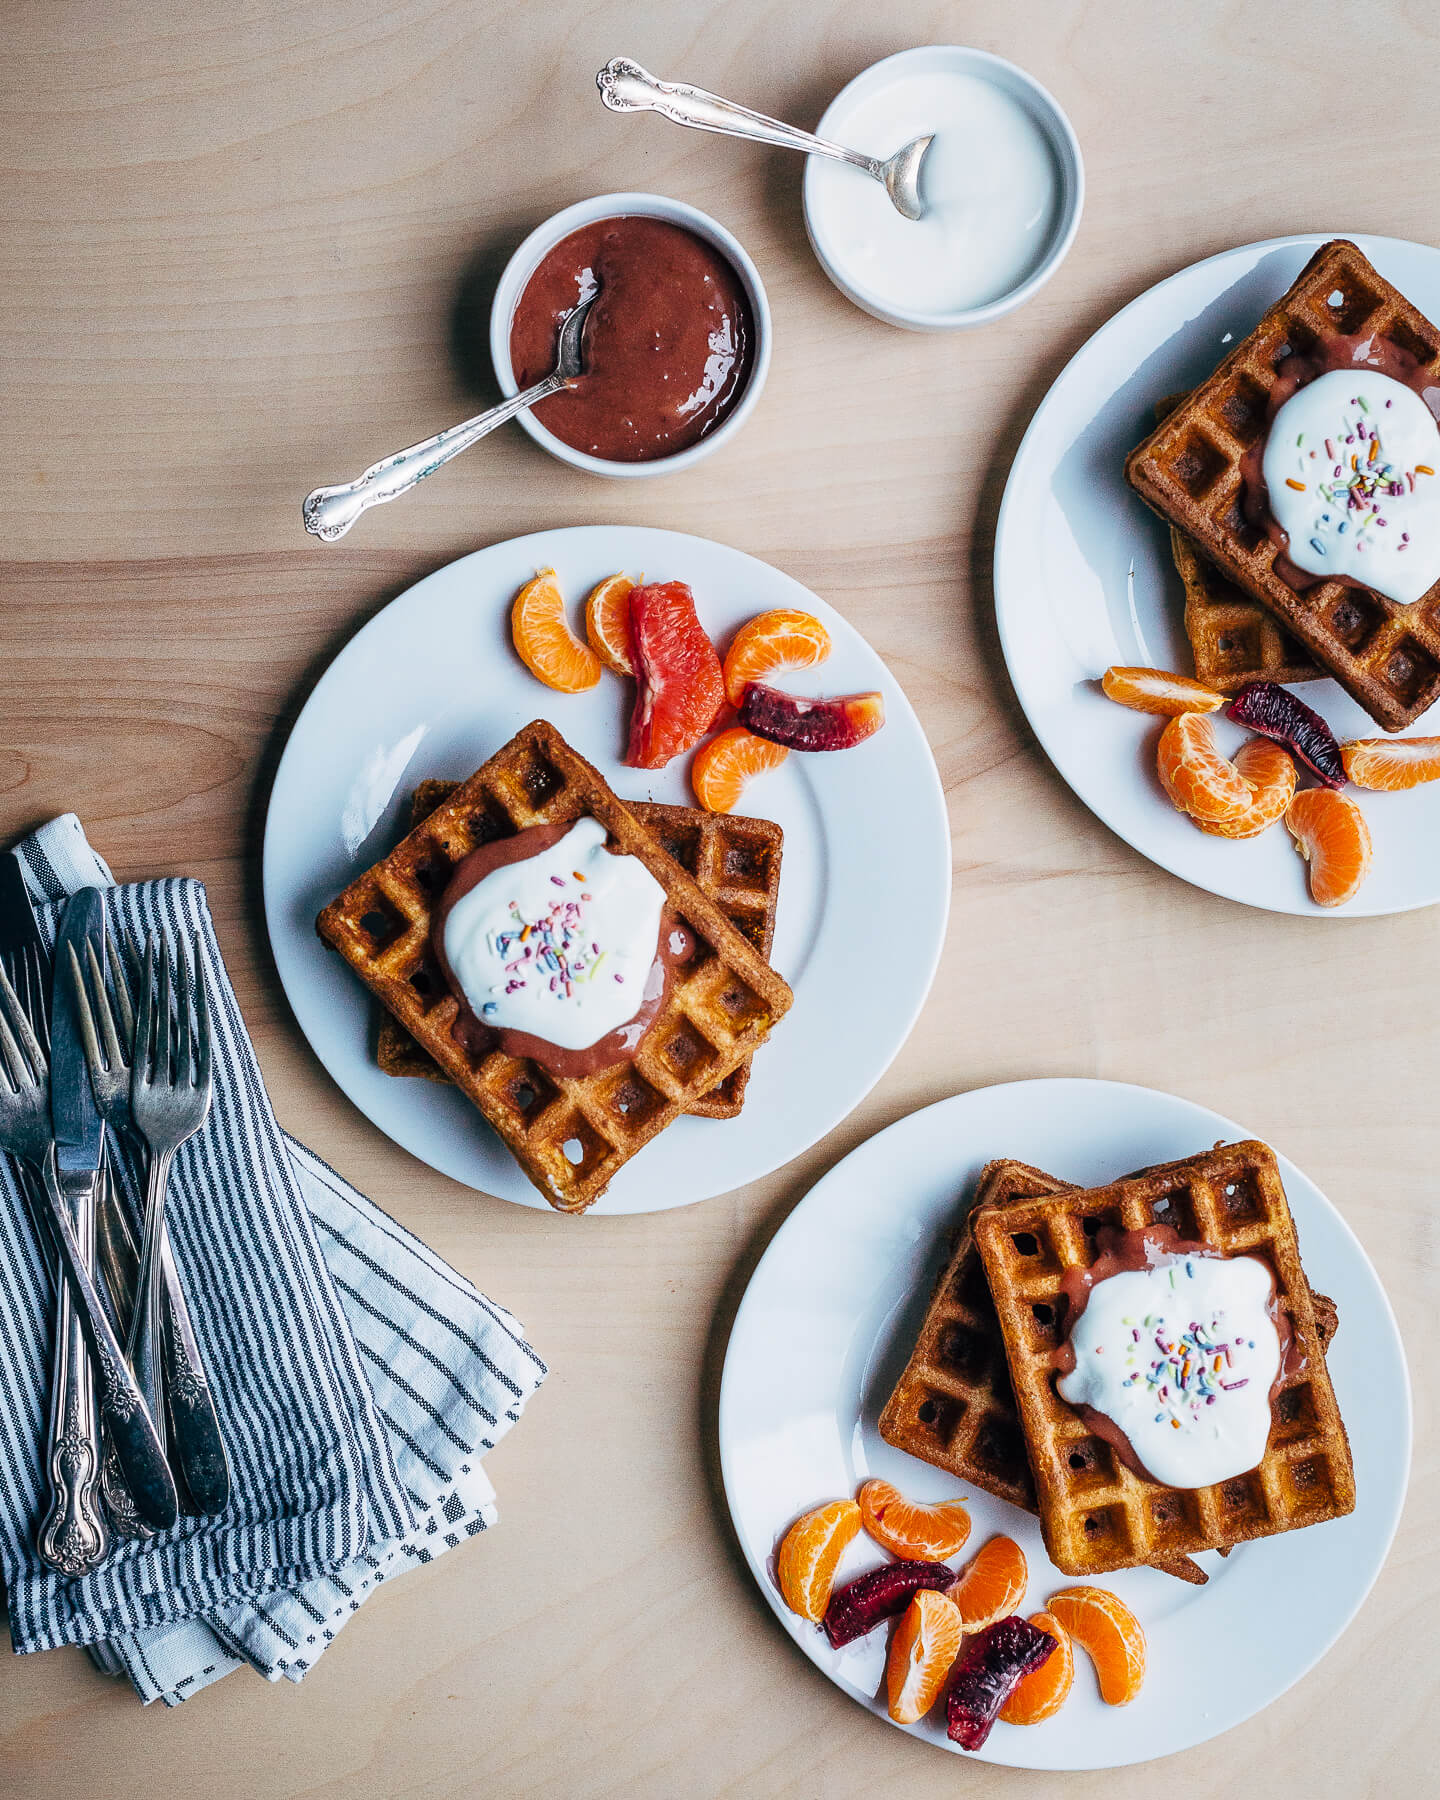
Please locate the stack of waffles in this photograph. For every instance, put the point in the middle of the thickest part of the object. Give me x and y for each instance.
(721, 879)
(978, 1395)
(1244, 621)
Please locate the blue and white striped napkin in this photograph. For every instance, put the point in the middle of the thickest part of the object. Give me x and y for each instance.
(359, 1379)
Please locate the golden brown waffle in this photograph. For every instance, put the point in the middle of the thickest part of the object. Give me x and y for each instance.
(1096, 1514)
(569, 1135)
(1385, 654)
(954, 1405)
(1233, 639)
(736, 861)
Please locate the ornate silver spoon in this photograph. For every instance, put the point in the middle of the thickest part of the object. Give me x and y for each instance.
(330, 511)
(626, 87)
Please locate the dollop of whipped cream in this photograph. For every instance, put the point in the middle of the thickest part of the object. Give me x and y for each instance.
(1182, 1356)
(1352, 472)
(560, 945)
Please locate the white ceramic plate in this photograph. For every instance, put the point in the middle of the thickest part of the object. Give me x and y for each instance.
(827, 1324)
(432, 686)
(1071, 532)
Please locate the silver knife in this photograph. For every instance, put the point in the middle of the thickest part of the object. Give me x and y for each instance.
(79, 1147)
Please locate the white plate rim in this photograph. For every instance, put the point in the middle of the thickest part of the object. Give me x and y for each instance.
(933, 851)
(1086, 788)
(1039, 1087)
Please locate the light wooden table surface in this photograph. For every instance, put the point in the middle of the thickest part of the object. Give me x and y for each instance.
(245, 248)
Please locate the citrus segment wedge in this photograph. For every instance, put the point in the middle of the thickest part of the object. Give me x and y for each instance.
(1390, 764)
(544, 641)
(992, 1584)
(810, 1555)
(925, 1645)
(724, 767)
(914, 1530)
(1158, 691)
(784, 638)
(1109, 1632)
(607, 622)
(1330, 832)
(1040, 1694)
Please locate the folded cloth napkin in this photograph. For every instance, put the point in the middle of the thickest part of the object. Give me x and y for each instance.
(359, 1379)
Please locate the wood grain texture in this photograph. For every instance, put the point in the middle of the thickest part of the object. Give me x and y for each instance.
(245, 248)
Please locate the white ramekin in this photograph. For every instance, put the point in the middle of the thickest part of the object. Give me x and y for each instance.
(526, 260)
(1047, 114)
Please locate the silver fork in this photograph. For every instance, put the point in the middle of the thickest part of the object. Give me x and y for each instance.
(169, 1102)
(71, 1536)
(25, 1132)
(196, 1443)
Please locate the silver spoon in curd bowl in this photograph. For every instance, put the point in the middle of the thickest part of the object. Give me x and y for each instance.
(626, 87)
(329, 512)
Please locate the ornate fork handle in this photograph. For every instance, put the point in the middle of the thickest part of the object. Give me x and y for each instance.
(122, 1409)
(626, 87)
(72, 1536)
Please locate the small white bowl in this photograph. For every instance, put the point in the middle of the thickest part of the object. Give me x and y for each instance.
(1044, 111)
(543, 239)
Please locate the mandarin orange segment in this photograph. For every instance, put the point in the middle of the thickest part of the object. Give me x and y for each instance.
(723, 768)
(782, 639)
(607, 622)
(992, 1584)
(544, 641)
(914, 1530)
(1266, 765)
(922, 1651)
(811, 1553)
(1158, 691)
(1390, 764)
(1330, 832)
(1040, 1694)
(1196, 777)
(1106, 1628)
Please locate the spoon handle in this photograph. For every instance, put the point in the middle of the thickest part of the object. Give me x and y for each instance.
(330, 511)
(626, 87)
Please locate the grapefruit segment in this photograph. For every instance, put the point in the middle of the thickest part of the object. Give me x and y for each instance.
(680, 689)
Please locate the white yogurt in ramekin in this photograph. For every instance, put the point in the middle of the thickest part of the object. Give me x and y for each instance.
(1003, 186)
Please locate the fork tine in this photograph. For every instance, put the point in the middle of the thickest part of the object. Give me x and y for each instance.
(20, 1024)
(84, 1016)
(184, 1013)
(114, 1055)
(164, 1029)
(134, 961)
(123, 971)
(40, 988)
(202, 1020)
(141, 1068)
(10, 1010)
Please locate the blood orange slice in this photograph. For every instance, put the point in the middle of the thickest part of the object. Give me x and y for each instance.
(677, 671)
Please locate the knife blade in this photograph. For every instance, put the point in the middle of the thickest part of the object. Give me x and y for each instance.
(74, 1116)
(17, 917)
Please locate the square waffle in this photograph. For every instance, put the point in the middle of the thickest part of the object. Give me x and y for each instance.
(736, 861)
(1233, 639)
(1385, 654)
(570, 1135)
(954, 1405)
(1096, 1514)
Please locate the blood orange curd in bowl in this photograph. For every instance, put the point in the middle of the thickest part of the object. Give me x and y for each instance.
(676, 342)
(1002, 185)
